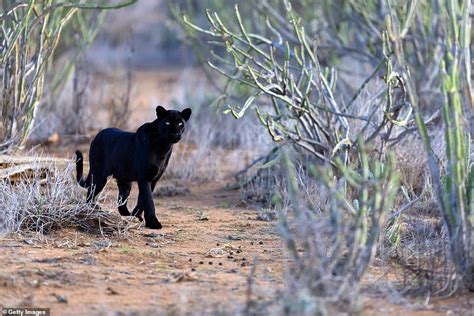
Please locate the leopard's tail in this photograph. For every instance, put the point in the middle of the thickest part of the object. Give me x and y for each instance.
(80, 170)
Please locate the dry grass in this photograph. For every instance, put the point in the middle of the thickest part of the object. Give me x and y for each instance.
(47, 199)
(415, 238)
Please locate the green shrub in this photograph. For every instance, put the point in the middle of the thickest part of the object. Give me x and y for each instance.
(295, 58)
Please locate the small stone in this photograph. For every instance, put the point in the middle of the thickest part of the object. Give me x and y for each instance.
(112, 291)
(61, 298)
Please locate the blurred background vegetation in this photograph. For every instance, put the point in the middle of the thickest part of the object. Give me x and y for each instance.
(320, 110)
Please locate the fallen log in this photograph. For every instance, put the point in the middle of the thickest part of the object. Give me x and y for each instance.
(16, 168)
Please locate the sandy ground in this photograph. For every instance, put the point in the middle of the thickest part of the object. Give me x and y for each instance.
(199, 261)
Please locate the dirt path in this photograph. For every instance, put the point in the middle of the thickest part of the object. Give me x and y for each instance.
(199, 261)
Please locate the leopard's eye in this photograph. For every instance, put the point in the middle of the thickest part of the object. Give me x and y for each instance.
(180, 123)
(167, 123)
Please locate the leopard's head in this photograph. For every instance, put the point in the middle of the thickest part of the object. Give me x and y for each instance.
(171, 123)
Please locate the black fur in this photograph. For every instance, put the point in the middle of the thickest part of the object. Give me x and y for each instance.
(142, 157)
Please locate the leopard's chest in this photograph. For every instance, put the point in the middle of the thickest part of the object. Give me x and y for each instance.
(156, 166)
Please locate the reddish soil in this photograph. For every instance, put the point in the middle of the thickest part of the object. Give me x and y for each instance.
(198, 263)
(200, 260)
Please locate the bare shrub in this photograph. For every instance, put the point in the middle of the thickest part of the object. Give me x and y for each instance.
(81, 107)
(119, 106)
(77, 116)
(331, 248)
(423, 254)
(416, 237)
(262, 181)
(49, 199)
(265, 187)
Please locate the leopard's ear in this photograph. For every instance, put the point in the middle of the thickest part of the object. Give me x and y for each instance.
(186, 114)
(160, 111)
